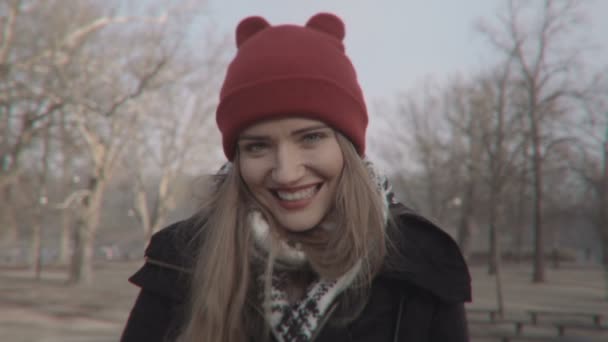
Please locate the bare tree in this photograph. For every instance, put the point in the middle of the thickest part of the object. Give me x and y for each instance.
(427, 142)
(466, 132)
(139, 60)
(536, 37)
(590, 158)
(498, 127)
(24, 101)
(42, 203)
(172, 148)
(482, 115)
(595, 164)
(174, 134)
(106, 130)
(409, 141)
(69, 151)
(89, 67)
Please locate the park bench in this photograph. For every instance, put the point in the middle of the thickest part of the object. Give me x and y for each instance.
(562, 326)
(506, 336)
(494, 319)
(559, 320)
(503, 336)
(518, 325)
(491, 313)
(536, 314)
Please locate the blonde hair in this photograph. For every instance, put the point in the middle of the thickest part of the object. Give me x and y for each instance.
(224, 304)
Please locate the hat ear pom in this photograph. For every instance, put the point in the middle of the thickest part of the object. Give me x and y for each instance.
(327, 23)
(248, 27)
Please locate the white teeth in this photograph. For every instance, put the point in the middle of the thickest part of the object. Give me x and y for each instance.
(298, 195)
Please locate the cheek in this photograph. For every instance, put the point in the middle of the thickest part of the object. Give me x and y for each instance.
(249, 172)
(331, 161)
(339, 162)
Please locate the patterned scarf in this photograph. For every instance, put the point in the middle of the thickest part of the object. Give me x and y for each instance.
(299, 321)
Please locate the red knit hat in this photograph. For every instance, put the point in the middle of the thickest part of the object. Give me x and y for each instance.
(291, 70)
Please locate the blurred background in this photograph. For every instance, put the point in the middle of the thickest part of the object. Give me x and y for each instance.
(489, 117)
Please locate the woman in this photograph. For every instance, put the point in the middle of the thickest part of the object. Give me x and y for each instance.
(300, 239)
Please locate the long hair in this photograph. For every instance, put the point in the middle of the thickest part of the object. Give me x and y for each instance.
(224, 303)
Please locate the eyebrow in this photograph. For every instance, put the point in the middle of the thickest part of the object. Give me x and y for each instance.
(308, 129)
(296, 132)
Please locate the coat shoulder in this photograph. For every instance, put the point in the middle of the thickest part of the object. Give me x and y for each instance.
(169, 260)
(422, 254)
(175, 244)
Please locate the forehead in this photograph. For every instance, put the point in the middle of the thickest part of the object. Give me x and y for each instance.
(282, 125)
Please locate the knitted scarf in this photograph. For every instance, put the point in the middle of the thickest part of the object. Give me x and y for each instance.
(299, 321)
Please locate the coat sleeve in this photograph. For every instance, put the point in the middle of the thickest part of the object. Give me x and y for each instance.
(426, 317)
(449, 323)
(150, 319)
(158, 312)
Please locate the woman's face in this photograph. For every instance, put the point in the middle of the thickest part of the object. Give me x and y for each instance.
(292, 167)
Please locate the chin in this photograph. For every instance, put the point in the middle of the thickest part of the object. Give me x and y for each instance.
(299, 227)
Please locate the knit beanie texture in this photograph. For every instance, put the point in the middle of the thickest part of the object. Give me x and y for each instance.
(295, 71)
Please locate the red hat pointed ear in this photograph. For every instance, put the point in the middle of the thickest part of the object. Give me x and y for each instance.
(327, 23)
(249, 27)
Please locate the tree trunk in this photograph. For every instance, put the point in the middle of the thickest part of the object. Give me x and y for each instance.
(84, 243)
(75, 273)
(605, 263)
(603, 211)
(494, 265)
(539, 250)
(493, 255)
(36, 255)
(67, 179)
(88, 254)
(498, 274)
(492, 249)
(66, 248)
(11, 236)
(465, 226)
(81, 268)
(141, 204)
(520, 221)
(41, 203)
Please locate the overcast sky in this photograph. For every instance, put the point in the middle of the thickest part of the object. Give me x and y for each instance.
(395, 43)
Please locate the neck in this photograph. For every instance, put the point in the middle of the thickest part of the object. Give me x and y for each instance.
(297, 284)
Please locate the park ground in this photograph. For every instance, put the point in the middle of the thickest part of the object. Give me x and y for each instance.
(49, 311)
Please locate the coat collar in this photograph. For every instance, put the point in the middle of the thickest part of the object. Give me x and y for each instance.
(423, 255)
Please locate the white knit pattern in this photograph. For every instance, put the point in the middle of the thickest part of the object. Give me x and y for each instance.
(263, 238)
(298, 322)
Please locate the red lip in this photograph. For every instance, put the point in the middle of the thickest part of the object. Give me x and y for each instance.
(295, 188)
(296, 205)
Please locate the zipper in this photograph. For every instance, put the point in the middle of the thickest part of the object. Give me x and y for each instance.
(398, 323)
(167, 265)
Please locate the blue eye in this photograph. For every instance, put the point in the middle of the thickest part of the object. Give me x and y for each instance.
(255, 147)
(313, 137)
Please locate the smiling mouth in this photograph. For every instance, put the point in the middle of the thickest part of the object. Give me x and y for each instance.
(299, 195)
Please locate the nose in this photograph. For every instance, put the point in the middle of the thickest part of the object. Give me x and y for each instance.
(288, 167)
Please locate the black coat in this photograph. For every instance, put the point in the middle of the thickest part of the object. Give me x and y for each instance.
(424, 302)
